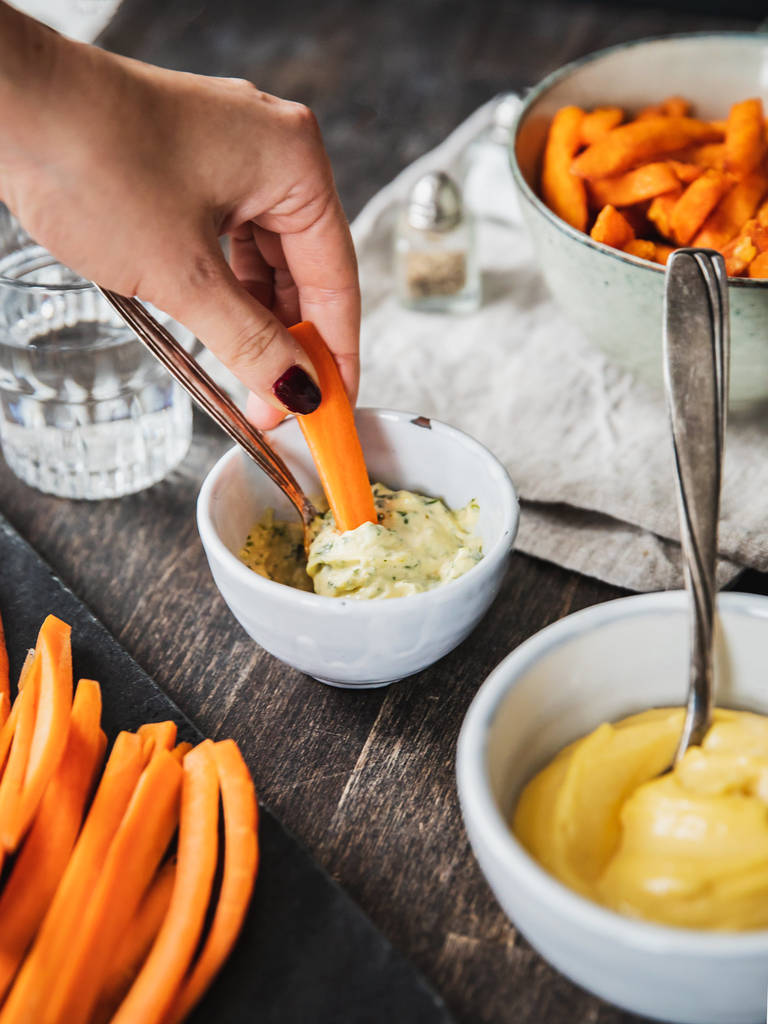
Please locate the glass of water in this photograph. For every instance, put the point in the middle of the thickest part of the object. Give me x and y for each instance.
(85, 410)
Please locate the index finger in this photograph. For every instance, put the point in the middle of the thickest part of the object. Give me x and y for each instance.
(321, 259)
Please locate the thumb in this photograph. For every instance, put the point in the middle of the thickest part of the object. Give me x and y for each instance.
(244, 335)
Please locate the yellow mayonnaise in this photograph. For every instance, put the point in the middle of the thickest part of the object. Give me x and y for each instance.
(417, 543)
(688, 847)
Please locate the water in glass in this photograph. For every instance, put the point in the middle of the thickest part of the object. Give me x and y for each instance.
(85, 410)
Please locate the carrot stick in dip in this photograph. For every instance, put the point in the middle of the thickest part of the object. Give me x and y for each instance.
(331, 435)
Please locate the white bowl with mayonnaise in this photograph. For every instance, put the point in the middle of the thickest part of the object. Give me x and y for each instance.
(600, 665)
(361, 643)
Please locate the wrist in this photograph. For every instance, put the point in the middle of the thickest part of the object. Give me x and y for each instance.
(35, 78)
(29, 55)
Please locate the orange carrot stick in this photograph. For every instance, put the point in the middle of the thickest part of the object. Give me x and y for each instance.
(331, 435)
(163, 733)
(241, 860)
(6, 736)
(31, 990)
(5, 710)
(137, 941)
(134, 855)
(54, 707)
(26, 668)
(181, 750)
(13, 776)
(43, 857)
(158, 980)
(5, 676)
(7, 730)
(9, 725)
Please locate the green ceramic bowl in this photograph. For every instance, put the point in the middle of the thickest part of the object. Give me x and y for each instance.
(616, 299)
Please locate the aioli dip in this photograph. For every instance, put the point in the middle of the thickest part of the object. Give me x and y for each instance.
(686, 848)
(417, 544)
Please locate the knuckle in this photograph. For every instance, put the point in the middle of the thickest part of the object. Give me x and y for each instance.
(204, 269)
(243, 84)
(304, 119)
(251, 343)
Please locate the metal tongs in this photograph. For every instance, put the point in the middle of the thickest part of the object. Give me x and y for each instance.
(696, 358)
(211, 399)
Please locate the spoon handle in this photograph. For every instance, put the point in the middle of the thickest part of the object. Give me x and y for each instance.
(209, 396)
(696, 357)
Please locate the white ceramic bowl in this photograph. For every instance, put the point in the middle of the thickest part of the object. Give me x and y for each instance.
(616, 299)
(598, 665)
(361, 643)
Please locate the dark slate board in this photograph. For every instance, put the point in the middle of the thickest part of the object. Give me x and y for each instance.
(307, 953)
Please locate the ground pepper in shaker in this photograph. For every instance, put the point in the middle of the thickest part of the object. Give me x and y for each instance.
(435, 263)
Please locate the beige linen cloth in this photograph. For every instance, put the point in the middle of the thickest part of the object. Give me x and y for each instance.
(587, 446)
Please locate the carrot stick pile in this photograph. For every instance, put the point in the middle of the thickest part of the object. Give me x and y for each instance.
(663, 179)
(109, 909)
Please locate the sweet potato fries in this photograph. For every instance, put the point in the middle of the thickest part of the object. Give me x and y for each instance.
(663, 179)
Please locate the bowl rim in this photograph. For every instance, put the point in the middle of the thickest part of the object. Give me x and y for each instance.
(561, 73)
(503, 544)
(479, 807)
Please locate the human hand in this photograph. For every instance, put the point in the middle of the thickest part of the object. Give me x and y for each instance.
(130, 174)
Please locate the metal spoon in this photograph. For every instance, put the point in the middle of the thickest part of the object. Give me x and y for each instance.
(210, 397)
(696, 355)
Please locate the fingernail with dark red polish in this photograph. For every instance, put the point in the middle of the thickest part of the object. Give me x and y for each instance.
(297, 391)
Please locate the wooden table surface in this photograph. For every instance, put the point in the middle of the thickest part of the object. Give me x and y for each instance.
(366, 780)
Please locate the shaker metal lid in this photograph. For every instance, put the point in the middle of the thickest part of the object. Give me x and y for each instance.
(435, 203)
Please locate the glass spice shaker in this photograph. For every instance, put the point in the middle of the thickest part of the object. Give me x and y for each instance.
(485, 177)
(436, 265)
